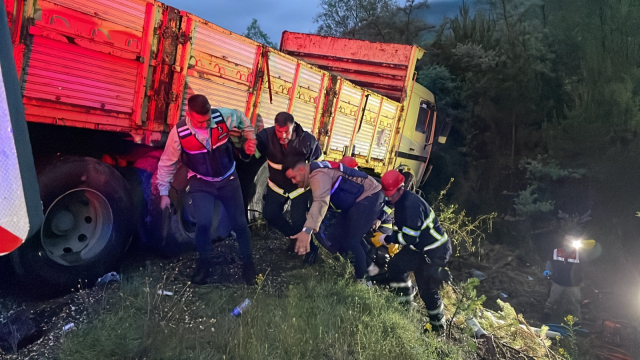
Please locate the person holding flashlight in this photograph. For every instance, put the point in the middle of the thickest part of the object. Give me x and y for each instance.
(565, 271)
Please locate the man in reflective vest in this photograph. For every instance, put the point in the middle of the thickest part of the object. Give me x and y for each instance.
(565, 272)
(425, 246)
(201, 141)
(354, 194)
(287, 140)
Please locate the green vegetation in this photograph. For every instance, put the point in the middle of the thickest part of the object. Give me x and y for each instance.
(322, 315)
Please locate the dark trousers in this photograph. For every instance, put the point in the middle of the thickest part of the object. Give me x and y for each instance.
(228, 192)
(273, 212)
(350, 227)
(426, 275)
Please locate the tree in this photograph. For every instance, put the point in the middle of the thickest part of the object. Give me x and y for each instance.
(254, 32)
(373, 20)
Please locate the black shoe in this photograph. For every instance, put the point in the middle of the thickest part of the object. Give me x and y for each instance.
(311, 257)
(202, 272)
(249, 273)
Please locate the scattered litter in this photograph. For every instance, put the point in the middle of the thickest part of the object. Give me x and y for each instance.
(112, 276)
(504, 295)
(241, 308)
(529, 278)
(68, 327)
(165, 292)
(478, 274)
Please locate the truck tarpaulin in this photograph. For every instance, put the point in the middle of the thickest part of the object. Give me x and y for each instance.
(20, 206)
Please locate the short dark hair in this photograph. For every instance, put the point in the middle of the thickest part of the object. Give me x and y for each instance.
(283, 119)
(199, 104)
(292, 163)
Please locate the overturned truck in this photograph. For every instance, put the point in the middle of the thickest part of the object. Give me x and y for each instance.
(102, 83)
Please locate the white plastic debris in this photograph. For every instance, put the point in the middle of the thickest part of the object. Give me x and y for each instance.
(112, 276)
(504, 295)
(529, 278)
(68, 327)
(165, 292)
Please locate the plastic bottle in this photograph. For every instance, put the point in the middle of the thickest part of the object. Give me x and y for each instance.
(241, 308)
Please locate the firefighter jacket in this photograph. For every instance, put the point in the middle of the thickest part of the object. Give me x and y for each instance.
(338, 186)
(386, 219)
(419, 229)
(303, 146)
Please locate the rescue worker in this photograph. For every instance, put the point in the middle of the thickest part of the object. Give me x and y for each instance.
(201, 142)
(425, 247)
(354, 194)
(286, 140)
(565, 271)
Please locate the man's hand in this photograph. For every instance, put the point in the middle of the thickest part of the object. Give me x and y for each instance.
(165, 201)
(376, 224)
(250, 146)
(303, 245)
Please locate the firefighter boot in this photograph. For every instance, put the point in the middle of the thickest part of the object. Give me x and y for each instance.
(436, 322)
(202, 271)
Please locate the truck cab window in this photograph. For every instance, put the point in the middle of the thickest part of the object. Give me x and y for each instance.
(423, 118)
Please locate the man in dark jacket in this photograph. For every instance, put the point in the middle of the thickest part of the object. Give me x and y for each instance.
(286, 140)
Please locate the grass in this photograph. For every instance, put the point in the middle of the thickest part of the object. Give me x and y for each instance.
(320, 314)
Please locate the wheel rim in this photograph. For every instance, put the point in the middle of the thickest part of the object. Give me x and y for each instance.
(77, 226)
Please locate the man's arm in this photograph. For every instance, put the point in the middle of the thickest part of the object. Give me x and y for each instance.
(316, 152)
(320, 183)
(236, 119)
(411, 228)
(262, 144)
(169, 162)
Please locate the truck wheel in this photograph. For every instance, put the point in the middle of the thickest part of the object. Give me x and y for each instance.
(87, 227)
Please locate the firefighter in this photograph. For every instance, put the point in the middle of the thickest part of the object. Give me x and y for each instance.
(425, 247)
(201, 142)
(354, 194)
(287, 140)
(564, 270)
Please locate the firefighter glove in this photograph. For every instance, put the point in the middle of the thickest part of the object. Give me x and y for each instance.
(393, 249)
(378, 239)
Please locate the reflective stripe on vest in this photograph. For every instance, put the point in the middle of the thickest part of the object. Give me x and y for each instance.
(274, 165)
(290, 195)
(558, 254)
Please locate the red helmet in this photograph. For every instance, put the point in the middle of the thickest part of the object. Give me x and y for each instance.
(391, 181)
(349, 161)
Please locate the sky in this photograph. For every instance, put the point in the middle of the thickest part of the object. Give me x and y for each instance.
(274, 16)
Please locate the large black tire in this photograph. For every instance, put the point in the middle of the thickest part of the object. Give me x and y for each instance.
(87, 228)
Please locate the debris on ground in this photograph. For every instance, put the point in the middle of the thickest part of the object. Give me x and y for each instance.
(16, 331)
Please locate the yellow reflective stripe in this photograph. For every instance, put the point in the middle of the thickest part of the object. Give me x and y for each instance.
(296, 193)
(387, 225)
(401, 239)
(274, 165)
(429, 221)
(437, 243)
(275, 188)
(321, 157)
(411, 232)
(387, 209)
(257, 154)
(436, 311)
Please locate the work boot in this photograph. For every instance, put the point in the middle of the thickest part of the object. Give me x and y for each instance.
(202, 272)
(433, 328)
(249, 272)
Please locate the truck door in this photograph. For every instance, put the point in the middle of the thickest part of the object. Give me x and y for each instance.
(417, 135)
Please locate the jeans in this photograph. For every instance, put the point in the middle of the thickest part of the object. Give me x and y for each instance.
(228, 192)
(273, 212)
